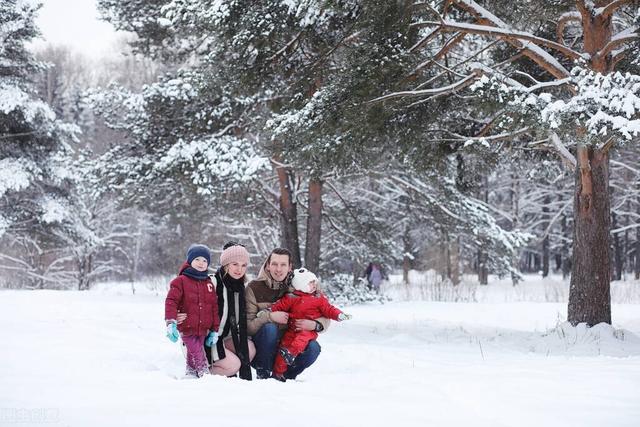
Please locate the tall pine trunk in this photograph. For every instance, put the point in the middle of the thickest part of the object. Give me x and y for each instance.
(483, 271)
(446, 256)
(618, 261)
(515, 213)
(314, 225)
(406, 260)
(589, 293)
(636, 266)
(288, 215)
(85, 267)
(545, 240)
(454, 252)
(566, 257)
(483, 257)
(626, 252)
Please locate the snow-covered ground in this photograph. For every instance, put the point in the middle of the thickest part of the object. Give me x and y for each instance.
(100, 358)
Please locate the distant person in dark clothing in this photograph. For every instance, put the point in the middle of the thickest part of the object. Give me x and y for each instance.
(375, 274)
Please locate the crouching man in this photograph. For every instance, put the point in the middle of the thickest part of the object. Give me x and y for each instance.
(265, 327)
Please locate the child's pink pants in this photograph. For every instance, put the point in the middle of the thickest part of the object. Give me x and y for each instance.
(196, 359)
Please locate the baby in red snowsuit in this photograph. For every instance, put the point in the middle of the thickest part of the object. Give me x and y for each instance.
(303, 303)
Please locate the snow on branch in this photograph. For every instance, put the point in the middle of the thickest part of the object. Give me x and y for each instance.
(450, 69)
(608, 10)
(210, 157)
(426, 39)
(628, 35)
(15, 175)
(489, 30)
(484, 140)
(564, 20)
(603, 102)
(619, 54)
(549, 85)
(460, 84)
(488, 71)
(567, 158)
(533, 51)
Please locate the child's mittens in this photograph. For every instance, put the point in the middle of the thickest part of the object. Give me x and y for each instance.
(344, 316)
(172, 331)
(211, 339)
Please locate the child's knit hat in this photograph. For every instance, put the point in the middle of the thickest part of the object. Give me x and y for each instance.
(197, 250)
(301, 278)
(234, 253)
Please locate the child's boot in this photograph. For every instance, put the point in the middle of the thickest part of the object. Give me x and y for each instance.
(278, 377)
(288, 357)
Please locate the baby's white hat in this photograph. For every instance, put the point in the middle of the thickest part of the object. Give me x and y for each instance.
(301, 278)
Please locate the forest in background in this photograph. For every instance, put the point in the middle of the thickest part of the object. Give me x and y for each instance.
(402, 132)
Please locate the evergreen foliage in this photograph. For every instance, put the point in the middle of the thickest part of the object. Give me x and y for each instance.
(34, 144)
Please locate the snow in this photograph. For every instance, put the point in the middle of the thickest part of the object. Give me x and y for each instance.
(520, 35)
(100, 358)
(309, 12)
(223, 157)
(189, 11)
(164, 22)
(503, 26)
(13, 98)
(609, 100)
(13, 175)
(54, 211)
(603, 103)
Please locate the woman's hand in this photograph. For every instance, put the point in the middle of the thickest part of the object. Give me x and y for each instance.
(181, 317)
(279, 317)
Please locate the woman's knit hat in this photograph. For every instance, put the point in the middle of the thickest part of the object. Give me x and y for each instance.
(234, 253)
(301, 278)
(197, 250)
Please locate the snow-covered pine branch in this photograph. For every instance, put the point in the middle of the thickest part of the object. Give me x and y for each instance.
(603, 104)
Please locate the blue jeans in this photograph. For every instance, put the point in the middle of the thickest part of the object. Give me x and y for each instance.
(266, 341)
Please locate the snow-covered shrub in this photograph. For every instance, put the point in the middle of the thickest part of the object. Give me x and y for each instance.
(341, 289)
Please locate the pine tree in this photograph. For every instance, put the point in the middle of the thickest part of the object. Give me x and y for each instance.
(293, 81)
(584, 109)
(34, 149)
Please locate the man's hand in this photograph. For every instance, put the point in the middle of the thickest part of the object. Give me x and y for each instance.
(279, 317)
(305, 325)
(181, 317)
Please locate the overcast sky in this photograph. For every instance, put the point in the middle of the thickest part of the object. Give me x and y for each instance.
(75, 23)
